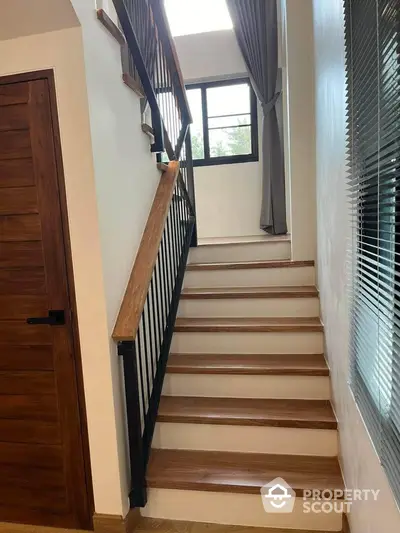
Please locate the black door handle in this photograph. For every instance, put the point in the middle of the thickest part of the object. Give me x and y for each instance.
(55, 318)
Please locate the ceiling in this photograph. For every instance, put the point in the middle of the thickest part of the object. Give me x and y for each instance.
(20, 18)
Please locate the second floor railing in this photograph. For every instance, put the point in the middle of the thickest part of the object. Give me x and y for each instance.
(152, 60)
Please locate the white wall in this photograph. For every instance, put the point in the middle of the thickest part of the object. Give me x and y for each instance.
(228, 200)
(299, 120)
(228, 197)
(126, 179)
(209, 55)
(110, 179)
(63, 51)
(359, 460)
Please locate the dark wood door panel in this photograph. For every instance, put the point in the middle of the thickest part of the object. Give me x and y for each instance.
(20, 228)
(39, 516)
(15, 144)
(13, 307)
(18, 382)
(17, 172)
(42, 470)
(29, 407)
(33, 478)
(43, 498)
(21, 254)
(13, 94)
(22, 281)
(14, 357)
(24, 455)
(14, 331)
(14, 117)
(18, 201)
(29, 431)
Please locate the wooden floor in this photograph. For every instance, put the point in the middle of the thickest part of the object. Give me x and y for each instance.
(248, 325)
(248, 292)
(151, 525)
(245, 265)
(248, 364)
(244, 473)
(310, 414)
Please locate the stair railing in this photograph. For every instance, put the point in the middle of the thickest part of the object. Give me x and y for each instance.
(153, 58)
(146, 320)
(145, 324)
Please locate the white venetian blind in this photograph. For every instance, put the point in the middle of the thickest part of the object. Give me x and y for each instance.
(373, 83)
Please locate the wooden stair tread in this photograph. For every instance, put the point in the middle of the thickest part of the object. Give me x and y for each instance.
(243, 265)
(311, 414)
(240, 472)
(248, 364)
(161, 525)
(285, 324)
(249, 292)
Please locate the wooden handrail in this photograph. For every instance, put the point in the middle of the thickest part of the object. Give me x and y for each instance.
(138, 286)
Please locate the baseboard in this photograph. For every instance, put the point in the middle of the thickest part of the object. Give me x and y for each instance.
(116, 524)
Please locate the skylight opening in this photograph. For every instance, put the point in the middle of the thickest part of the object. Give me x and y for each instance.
(187, 17)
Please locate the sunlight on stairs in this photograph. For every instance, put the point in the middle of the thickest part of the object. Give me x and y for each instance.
(246, 397)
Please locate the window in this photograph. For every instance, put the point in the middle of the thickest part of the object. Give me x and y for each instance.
(373, 83)
(187, 17)
(224, 126)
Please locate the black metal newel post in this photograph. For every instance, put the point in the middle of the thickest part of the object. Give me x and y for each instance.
(138, 494)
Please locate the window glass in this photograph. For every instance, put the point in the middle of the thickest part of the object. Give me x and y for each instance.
(230, 141)
(195, 104)
(224, 126)
(228, 100)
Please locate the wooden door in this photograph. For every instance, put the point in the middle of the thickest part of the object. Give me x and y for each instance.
(42, 470)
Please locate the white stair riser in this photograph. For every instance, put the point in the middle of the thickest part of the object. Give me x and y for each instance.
(238, 343)
(244, 386)
(232, 509)
(249, 307)
(257, 251)
(246, 439)
(250, 277)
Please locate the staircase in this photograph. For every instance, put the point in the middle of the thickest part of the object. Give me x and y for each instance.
(246, 396)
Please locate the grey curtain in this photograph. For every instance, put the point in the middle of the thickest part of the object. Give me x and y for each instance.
(256, 28)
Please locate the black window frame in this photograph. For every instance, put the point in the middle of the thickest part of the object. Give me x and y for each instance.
(208, 160)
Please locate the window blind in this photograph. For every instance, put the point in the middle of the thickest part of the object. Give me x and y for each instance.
(372, 40)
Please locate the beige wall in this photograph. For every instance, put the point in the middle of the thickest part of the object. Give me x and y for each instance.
(360, 463)
(126, 179)
(228, 200)
(299, 122)
(111, 179)
(228, 197)
(62, 50)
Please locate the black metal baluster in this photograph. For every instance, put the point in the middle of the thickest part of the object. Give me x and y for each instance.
(175, 240)
(155, 322)
(145, 364)
(150, 335)
(170, 253)
(164, 278)
(159, 303)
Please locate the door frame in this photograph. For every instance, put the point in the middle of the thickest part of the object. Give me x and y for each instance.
(48, 75)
